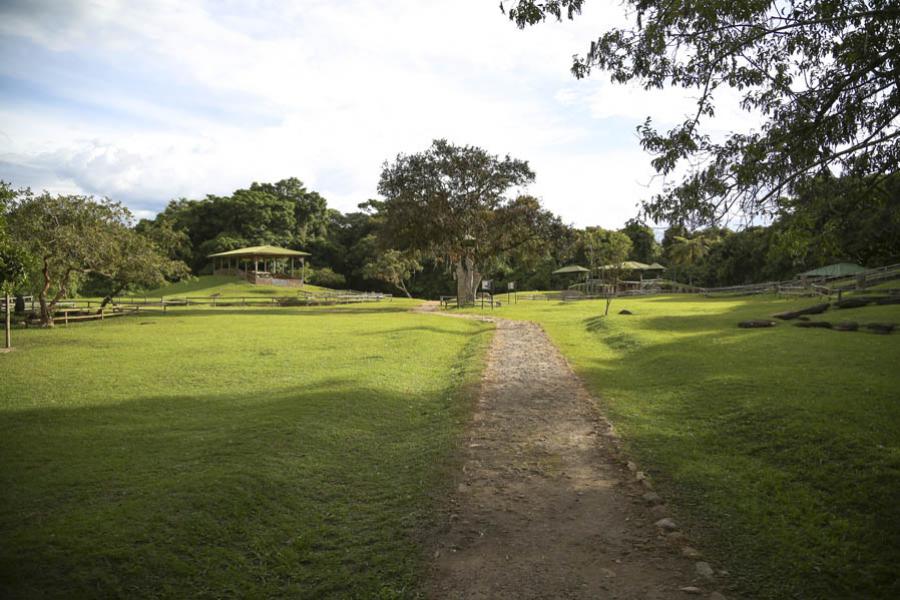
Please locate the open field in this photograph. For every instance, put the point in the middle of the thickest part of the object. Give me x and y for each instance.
(284, 452)
(780, 448)
(225, 285)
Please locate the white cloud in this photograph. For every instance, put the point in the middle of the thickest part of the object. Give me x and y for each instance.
(227, 94)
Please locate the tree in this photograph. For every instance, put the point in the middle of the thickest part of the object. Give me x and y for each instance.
(13, 275)
(824, 75)
(394, 268)
(687, 251)
(283, 213)
(606, 251)
(449, 203)
(138, 264)
(842, 219)
(68, 236)
(644, 247)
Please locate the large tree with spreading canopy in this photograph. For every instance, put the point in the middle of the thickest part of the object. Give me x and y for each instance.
(450, 203)
(824, 75)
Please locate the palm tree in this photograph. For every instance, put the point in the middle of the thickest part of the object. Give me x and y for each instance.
(688, 251)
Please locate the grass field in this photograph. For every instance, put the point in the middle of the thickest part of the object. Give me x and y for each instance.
(780, 447)
(224, 285)
(229, 453)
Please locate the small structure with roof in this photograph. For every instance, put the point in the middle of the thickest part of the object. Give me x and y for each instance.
(278, 265)
(835, 270)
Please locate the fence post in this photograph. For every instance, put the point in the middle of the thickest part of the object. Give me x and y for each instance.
(66, 318)
(101, 314)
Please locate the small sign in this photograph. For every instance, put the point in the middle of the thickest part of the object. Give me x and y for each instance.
(486, 284)
(511, 285)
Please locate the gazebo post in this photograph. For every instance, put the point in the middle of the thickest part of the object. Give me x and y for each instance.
(303, 275)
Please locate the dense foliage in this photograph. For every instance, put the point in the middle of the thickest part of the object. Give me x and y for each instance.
(284, 214)
(823, 75)
(70, 237)
(450, 203)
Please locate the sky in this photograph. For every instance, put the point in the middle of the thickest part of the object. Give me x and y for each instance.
(144, 102)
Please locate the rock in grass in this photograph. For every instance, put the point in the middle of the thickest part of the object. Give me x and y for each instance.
(625, 311)
(846, 326)
(716, 596)
(854, 302)
(690, 552)
(667, 524)
(757, 323)
(815, 309)
(813, 324)
(704, 570)
(882, 328)
(786, 315)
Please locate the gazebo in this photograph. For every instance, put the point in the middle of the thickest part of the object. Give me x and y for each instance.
(278, 265)
(571, 269)
(835, 270)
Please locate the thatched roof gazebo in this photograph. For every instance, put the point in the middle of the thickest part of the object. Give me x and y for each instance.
(278, 265)
(571, 269)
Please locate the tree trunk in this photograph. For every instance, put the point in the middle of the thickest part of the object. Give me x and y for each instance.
(107, 299)
(8, 322)
(46, 315)
(467, 280)
(402, 287)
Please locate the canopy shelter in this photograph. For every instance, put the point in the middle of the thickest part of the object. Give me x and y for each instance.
(634, 266)
(628, 265)
(270, 258)
(571, 269)
(835, 270)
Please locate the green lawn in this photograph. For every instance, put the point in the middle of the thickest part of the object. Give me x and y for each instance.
(780, 447)
(224, 285)
(218, 453)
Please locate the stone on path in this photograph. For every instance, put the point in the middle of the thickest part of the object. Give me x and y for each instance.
(651, 498)
(704, 570)
(667, 524)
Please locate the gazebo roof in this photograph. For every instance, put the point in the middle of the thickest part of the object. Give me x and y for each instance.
(656, 266)
(266, 251)
(571, 269)
(629, 265)
(835, 270)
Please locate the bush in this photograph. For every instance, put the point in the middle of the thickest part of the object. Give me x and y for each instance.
(325, 277)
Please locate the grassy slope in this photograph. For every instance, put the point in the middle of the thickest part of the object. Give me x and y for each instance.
(221, 453)
(785, 441)
(207, 285)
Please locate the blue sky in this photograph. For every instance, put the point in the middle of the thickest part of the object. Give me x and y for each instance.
(145, 102)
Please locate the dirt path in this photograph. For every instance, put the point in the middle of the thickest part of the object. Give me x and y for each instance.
(544, 509)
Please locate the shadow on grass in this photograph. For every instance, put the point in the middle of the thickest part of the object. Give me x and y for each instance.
(768, 446)
(281, 311)
(315, 491)
(484, 327)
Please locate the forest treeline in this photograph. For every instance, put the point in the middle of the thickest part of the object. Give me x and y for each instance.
(405, 242)
(835, 220)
